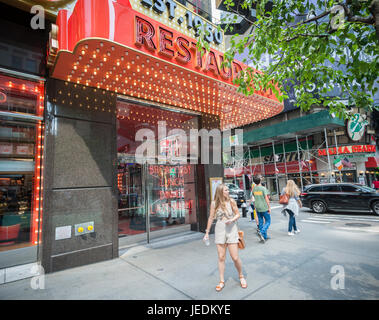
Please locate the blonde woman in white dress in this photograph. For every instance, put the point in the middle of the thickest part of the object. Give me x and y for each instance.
(225, 210)
(293, 206)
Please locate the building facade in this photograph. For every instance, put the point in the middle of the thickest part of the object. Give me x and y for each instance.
(93, 137)
(312, 147)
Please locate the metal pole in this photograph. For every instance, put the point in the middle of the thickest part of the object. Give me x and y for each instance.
(145, 186)
(327, 151)
(250, 165)
(285, 160)
(243, 175)
(262, 164)
(309, 158)
(276, 174)
(234, 165)
(298, 161)
(335, 140)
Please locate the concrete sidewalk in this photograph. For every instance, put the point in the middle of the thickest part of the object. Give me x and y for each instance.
(183, 268)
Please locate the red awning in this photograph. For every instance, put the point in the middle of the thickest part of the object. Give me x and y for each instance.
(372, 162)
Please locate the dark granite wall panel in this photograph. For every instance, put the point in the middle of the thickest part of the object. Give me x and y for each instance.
(80, 175)
(206, 171)
(82, 154)
(85, 205)
(83, 257)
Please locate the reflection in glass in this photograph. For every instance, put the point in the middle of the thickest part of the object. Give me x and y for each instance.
(166, 189)
(15, 210)
(131, 210)
(21, 166)
(171, 195)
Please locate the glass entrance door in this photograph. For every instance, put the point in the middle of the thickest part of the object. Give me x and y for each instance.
(157, 197)
(171, 197)
(131, 199)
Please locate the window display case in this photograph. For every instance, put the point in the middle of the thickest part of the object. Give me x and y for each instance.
(21, 155)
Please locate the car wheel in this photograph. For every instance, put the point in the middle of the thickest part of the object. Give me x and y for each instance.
(375, 207)
(318, 206)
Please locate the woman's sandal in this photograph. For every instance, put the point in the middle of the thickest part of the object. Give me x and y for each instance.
(243, 282)
(220, 286)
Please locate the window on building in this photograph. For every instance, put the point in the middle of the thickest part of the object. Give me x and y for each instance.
(22, 48)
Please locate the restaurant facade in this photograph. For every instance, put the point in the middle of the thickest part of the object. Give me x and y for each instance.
(92, 146)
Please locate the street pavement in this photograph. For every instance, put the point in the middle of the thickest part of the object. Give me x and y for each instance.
(334, 257)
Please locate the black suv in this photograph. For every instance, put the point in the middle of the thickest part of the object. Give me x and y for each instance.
(340, 196)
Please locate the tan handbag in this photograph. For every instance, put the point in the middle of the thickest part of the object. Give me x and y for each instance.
(241, 240)
(284, 199)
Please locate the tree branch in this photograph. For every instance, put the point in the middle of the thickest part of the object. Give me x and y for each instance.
(308, 35)
(325, 13)
(352, 18)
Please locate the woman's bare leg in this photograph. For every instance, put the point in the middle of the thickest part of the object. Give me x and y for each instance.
(221, 250)
(233, 251)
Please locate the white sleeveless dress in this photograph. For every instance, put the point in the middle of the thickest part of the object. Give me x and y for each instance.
(225, 233)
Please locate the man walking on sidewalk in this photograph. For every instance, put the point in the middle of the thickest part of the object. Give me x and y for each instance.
(262, 206)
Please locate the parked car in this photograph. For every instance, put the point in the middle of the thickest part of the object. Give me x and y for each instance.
(340, 196)
(236, 193)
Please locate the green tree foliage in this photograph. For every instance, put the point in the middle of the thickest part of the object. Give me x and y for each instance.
(333, 44)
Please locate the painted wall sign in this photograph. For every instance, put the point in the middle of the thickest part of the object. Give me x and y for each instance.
(356, 126)
(348, 150)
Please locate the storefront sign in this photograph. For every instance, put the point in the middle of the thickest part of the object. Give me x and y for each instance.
(169, 170)
(134, 50)
(356, 126)
(348, 150)
(193, 21)
(170, 44)
(289, 157)
(171, 194)
(272, 169)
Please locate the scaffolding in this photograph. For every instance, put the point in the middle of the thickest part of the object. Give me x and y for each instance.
(305, 155)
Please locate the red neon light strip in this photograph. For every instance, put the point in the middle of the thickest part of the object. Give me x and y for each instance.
(36, 89)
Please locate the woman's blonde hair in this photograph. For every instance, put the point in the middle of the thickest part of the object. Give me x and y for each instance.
(220, 198)
(291, 189)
